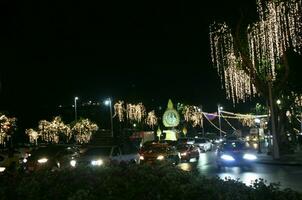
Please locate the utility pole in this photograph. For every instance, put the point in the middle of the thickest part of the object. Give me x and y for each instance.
(219, 117)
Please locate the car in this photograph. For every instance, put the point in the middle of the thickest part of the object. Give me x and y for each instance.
(188, 151)
(156, 152)
(235, 153)
(204, 144)
(185, 140)
(96, 156)
(9, 160)
(51, 157)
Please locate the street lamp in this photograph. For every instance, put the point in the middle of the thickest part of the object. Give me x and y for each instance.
(220, 108)
(257, 121)
(75, 108)
(108, 102)
(278, 101)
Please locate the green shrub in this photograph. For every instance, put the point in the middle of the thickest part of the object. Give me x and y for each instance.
(134, 182)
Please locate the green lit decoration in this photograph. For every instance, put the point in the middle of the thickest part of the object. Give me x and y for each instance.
(171, 117)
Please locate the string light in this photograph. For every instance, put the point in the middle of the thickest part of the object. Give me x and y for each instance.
(194, 115)
(119, 110)
(151, 119)
(278, 29)
(83, 130)
(7, 125)
(33, 135)
(136, 112)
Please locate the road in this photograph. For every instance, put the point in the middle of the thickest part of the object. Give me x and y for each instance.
(287, 176)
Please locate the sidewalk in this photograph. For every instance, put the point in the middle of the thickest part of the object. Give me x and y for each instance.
(289, 160)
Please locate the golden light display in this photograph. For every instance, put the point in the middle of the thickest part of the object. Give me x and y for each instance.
(278, 29)
(151, 119)
(194, 115)
(7, 125)
(50, 131)
(119, 110)
(136, 112)
(83, 130)
(33, 135)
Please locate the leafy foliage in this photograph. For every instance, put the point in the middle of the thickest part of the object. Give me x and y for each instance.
(134, 182)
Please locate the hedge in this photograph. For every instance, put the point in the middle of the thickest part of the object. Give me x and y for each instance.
(134, 182)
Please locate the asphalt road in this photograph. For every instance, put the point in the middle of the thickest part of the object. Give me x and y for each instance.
(287, 176)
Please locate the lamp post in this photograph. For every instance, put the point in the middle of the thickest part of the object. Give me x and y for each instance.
(257, 121)
(75, 108)
(219, 117)
(108, 102)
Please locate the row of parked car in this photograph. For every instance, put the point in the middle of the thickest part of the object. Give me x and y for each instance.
(55, 157)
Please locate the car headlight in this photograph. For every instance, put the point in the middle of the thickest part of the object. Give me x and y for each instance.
(248, 156)
(24, 160)
(97, 162)
(183, 154)
(227, 157)
(141, 158)
(2, 169)
(42, 160)
(160, 157)
(73, 163)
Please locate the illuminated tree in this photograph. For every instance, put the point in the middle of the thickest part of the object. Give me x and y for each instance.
(193, 114)
(151, 119)
(119, 110)
(136, 112)
(7, 128)
(33, 135)
(83, 130)
(50, 131)
(253, 60)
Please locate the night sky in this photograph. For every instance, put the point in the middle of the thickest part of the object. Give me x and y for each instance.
(147, 51)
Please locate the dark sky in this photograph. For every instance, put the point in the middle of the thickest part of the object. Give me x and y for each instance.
(53, 50)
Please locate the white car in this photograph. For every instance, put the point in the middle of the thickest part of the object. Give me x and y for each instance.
(106, 155)
(204, 144)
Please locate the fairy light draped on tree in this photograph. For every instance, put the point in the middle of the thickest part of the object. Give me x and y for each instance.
(136, 112)
(83, 130)
(194, 115)
(279, 28)
(7, 126)
(119, 110)
(50, 131)
(151, 119)
(33, 135)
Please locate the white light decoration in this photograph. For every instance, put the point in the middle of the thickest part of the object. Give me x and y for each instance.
(119, 110)
(151, 119)
(83, 130)
(136, 112)
(193, 114)
(50, 131)
(278, 29)
(33, 135)
(7, 126)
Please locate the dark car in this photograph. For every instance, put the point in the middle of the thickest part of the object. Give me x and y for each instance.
(154, 152)
(52, 157)
(235, 153)
(106, 155)
(188, 151)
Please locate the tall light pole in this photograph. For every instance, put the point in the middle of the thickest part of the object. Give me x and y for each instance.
(108, 102)
(219, 117)
(258, 121)
(75, 108)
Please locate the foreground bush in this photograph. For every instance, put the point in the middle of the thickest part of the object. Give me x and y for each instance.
(135, 182)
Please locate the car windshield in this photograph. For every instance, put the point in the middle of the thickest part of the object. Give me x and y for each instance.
(156, 148)
(233, 146)
(104, 151)
(199, 140)
(47, 151)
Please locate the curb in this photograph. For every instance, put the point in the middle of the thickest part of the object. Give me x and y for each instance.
(279, 163)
